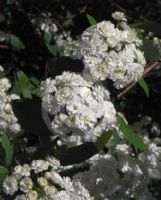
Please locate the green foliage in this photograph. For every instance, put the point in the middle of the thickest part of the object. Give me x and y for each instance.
(52, 49)
(48, 37)
(102, 141)
(1, 198)
(3, 173)
(122, 103)
(144, 86)
(15, 42)
(116, 138)
(131, 136)
(68, 21)
(8, 149)
(27, 86)
(91, 20)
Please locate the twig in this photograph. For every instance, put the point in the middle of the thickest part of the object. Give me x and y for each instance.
(146, 71)
(2, 46)
(119, 7)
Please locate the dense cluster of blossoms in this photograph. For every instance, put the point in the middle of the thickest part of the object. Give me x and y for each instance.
(41, 181)
(123, 174)
(46, 25)
(78, 107)
(8, 120)
(112, 52)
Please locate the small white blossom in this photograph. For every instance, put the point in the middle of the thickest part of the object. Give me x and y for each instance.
(119, 16)
(39, 165)
(20, 171)
(10, 185)
(26, 184)
(32, 195)
(42, 181)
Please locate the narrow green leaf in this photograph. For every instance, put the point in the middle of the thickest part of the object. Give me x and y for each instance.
(5, 142)
(116, 138)
(144, 86)
(3, 170)
(102, 141)
(3, 174)
(15, 42)
(91, 20)
(131, 136)
(16, 88)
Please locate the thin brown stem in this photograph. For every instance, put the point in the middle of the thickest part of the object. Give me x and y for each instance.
(2, 46)
(146, 71)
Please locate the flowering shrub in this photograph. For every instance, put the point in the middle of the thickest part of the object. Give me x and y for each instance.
(79, 109)
(49, 183)
(112, 52)
(8, 120)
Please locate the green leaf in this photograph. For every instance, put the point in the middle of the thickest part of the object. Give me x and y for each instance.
(102, 141)
(1, 198)
(36, 92)
(144, 86)
(116, 138)
(131, 136)
(35, 81)
(16, 88)
(5, 142)
(24, 83)
(53, 49)
(47, 37)
(3, 173)
(91, 20)
(15, 42)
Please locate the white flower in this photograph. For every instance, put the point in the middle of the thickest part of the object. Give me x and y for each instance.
(54, 186)
(1, 68)
(56, 178)
(7, 118)
(50, 190)
(53, 161)
(129, 36)
(32, 195)
(42, 181)
(10, 185)
(39, 165)
(110, 53)
(4, 84)
(26, 184)
(82, 106)
(20, 171)
(106, 28)
(119, 16)
(21, 197)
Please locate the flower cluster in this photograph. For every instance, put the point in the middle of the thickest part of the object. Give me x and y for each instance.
(41, 181)
(123, 174)
(79, 108)
(46, 25)
(8, 120)
(111, 52)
